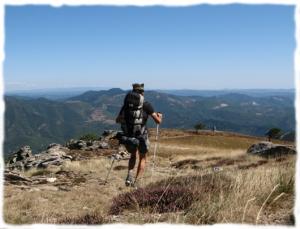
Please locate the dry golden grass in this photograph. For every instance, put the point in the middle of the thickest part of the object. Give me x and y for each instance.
(249, 191)
(37, 172)
(221, 142)
(40, 204)
(261, 190)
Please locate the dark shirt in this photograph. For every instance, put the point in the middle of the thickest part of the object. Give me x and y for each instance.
(147, 110)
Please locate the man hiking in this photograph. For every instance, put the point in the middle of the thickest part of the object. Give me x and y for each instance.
(133, 117)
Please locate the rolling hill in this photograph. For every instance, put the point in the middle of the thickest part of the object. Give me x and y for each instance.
(39, 121)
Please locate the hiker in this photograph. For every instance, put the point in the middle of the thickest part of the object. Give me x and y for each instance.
(133, 117)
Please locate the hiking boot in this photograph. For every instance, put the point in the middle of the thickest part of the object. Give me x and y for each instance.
(129, 180)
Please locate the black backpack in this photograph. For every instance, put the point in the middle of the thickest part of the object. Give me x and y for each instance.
(133, 114)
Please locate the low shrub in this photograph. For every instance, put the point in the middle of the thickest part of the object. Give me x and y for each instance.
(89, 137)
(170, 195)
(88, 219)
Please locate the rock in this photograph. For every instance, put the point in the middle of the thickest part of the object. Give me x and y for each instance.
(88, 145)
(34, 189)
(57, 150)
(23, 153)
(268, 149)
(76, 144)
(45, 164)
(10, 177)
(64, 188)
(67, 157)
(51, 179)
(54, 155)
(19, 165)
(49, 159)
(103, 145)
(104, 142)
(53, 145)
(15, 178)
(217, 169)
(39, 180)
(81, 144)
(121, 154)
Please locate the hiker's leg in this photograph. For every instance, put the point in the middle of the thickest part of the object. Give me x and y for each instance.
(141, 165)
(132, 160)
(131, 164)
(142, 151)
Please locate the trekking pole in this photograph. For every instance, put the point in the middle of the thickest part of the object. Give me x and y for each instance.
(112, 163)
(155, 149)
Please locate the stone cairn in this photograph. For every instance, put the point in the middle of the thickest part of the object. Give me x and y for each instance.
(56, 154)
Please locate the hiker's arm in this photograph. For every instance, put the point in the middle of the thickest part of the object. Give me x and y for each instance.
(157, 117)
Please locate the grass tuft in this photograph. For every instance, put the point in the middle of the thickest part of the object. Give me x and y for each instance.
(88, 219)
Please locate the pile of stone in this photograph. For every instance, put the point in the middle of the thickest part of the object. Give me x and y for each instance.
(87, 145)
(102, 143)
(23, 159)
(269, 149)
(121, 154)
(56, 154)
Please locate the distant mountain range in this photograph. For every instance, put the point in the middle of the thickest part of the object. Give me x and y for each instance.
(40, 121)
(64, 93)
(53, 93)
(250, 92)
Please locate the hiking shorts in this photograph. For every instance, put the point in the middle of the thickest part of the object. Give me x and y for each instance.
(143, 147)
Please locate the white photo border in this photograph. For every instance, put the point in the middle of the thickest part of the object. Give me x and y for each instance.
(59, 3)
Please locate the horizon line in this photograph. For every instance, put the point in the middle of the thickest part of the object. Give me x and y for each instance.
(149, 89)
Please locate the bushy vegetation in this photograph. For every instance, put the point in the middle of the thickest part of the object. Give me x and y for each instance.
(199, 126)
(87, 219)
(170, 195)
(89, 137)
(274, 133)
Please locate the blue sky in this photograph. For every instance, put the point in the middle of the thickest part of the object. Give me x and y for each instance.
(199, 47)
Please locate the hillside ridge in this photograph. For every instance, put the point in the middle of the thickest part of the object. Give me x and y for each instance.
(41, 121)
